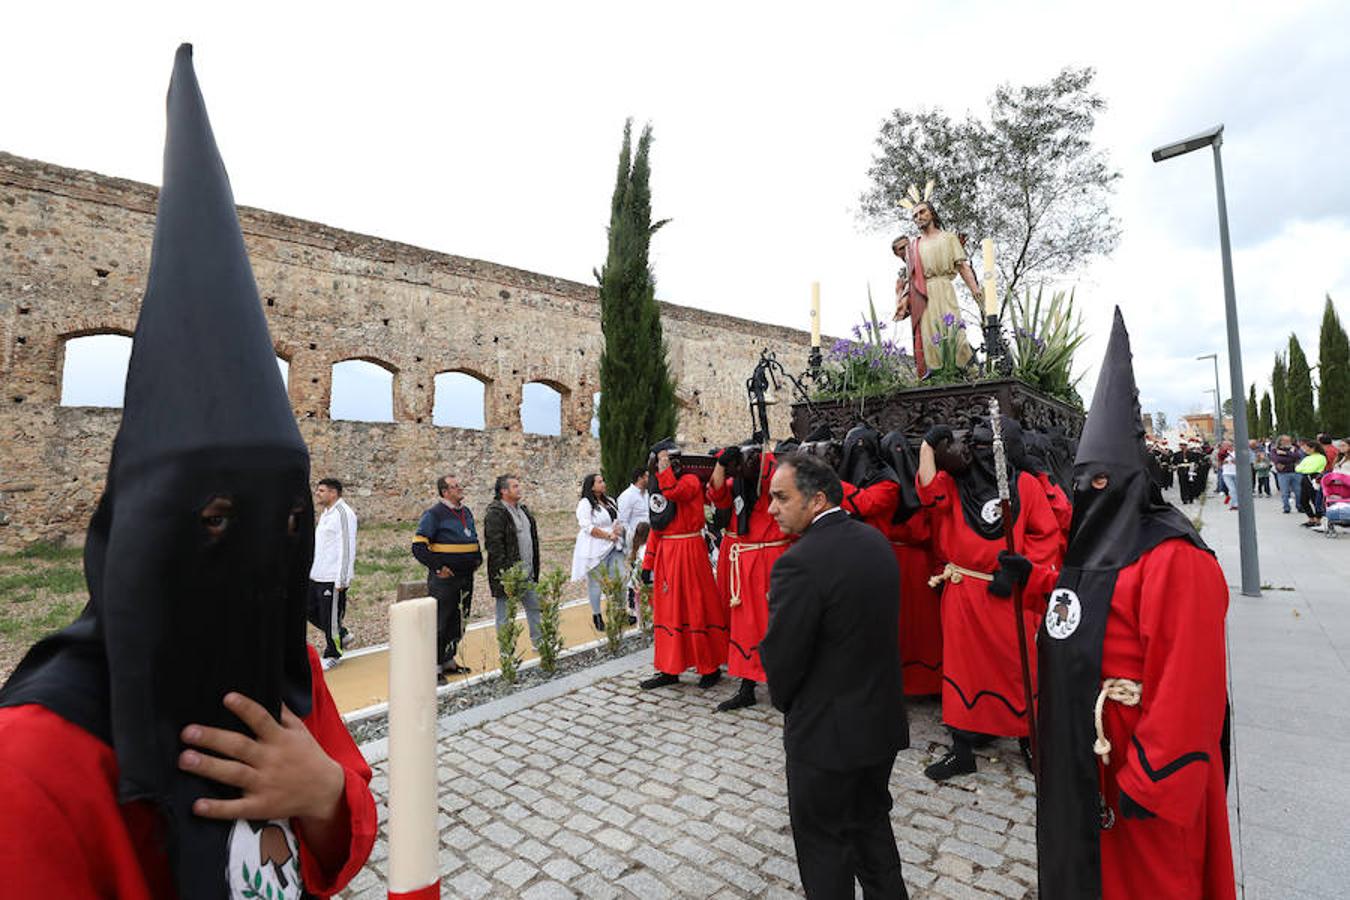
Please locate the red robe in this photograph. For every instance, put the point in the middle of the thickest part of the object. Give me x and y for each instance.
(1059, 505)
(1166, 631)
(749, 617)
(982, 687)
(875, 504)
(63, 834)
(920, 612)
(689, 618)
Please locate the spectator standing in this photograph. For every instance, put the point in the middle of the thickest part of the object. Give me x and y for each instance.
(1285, 457)
(833, 662)
(331, 572)
(511, 536)
(599, 541)
(1336, 487)
(638, 550)
(1261, 468)
(447, 544)
(1329, 447)
(1228, 472)
(633, 506)
(1310, 470)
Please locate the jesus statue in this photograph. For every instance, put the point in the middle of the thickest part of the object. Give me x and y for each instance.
(924, 292)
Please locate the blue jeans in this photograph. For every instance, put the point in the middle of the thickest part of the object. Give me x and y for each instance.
(1339, 514)
(611, 563)
(1288, 483)
(1230, 488)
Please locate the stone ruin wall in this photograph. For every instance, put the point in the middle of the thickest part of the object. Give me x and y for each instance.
(74, 253)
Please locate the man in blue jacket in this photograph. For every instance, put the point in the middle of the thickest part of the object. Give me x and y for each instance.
(447, 544)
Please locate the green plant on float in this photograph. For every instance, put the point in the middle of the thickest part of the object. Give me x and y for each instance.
(1045, 337)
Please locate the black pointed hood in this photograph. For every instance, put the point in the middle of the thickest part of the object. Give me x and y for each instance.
(862, 464)
(197, 558)
(896, 450)
(1112, 527)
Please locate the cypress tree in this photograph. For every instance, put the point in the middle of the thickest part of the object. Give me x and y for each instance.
(1267, 417)
(637, 395)
(1299, 392)
(1253, 414)
(1279, 388)
(1334, 358)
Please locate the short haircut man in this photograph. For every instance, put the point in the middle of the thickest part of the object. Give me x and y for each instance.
(332, 484)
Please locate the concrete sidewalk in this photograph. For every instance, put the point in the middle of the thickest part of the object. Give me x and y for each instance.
(1289, 661)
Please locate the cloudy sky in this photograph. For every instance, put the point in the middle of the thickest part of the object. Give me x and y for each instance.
(493, 132)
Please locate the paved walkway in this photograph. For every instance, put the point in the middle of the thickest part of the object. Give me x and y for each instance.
(588, 787)
(1289, 662)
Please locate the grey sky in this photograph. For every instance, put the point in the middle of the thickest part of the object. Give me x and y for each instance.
(493, 132)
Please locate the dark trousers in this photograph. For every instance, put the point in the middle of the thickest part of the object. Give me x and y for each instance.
(1263, 483)
(454, 596)
(841, 827)
(326, 606)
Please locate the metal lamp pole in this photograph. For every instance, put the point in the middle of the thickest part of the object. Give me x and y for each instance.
(1251, 567)
(1218, 403)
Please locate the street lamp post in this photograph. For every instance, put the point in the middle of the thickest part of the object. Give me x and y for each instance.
(1218, 403)
(1251, 567)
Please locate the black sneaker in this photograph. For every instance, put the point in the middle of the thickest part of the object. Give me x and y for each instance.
(598, 622)
(949, 765)
(739, 700)
(660, 679)
(707, 681)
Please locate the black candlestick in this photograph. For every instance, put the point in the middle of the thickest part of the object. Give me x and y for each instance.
(995, 350)
(813, 362)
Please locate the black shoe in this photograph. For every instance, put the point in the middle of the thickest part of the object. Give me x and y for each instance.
(454, 668)
(741, 699)
(442, 678)
(707, 681)
(949, 765)
(660, 679)
(1024, 744)
(632, 620)
(598, 622)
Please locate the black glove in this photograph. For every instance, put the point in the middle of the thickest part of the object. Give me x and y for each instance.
(646, 576)
(1132, 810)
(729, 456)
(1013, 569)
(937, 434)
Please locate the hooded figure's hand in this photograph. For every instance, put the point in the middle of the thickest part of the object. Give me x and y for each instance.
(937, 435)
(1013, 570)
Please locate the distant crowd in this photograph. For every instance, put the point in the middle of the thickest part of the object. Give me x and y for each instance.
(1310, 475)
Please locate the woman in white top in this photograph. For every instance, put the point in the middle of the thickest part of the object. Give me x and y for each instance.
(599, 545)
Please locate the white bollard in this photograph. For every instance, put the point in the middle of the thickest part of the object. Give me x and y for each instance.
(413, 840)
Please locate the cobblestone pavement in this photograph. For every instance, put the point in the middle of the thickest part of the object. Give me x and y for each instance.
(609, 791)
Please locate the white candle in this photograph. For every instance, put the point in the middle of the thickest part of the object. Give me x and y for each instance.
(815, 314)
(990, 294)
(414, 842)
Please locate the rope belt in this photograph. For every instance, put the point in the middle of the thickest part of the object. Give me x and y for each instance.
(734, 559)
(957, 574)
(1123, 691)
(679, 537)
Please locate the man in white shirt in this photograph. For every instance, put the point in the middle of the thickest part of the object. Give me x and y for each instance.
(633, 506)
(334, 558)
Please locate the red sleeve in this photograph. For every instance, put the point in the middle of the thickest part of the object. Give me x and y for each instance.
(1167, 767)
(940, 492)
(40, 851)
(878, 500)
(720, 497)
(325, 723)
(649, 554)
(1042, 541)
(681, 490)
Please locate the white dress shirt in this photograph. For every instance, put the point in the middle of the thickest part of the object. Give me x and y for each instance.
(632, 510)
(334, 546)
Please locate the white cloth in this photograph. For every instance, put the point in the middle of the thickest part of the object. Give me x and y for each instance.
(632, 510)
(334, 546)
(589, 550)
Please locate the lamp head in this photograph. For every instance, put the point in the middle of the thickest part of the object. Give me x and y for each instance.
(1195, 142)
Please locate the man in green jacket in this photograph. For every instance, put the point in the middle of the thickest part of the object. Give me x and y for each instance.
(510, 535)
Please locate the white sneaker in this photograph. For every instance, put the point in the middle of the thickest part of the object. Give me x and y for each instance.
(329, 662)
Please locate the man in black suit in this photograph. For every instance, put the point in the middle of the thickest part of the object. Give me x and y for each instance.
(832, 657)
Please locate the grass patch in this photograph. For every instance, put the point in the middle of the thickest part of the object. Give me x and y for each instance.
(61, 614)
(47, 552)
(57, 579)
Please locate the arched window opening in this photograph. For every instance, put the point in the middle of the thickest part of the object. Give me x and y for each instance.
(540, 409)
(595, 414)
(460, 401)
(94, 372)
(362, 391)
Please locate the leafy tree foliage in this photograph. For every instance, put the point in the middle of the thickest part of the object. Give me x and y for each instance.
(1026, 175)
(1302, 419)
(1334, 390)
(637, 395)
(1253, 412)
